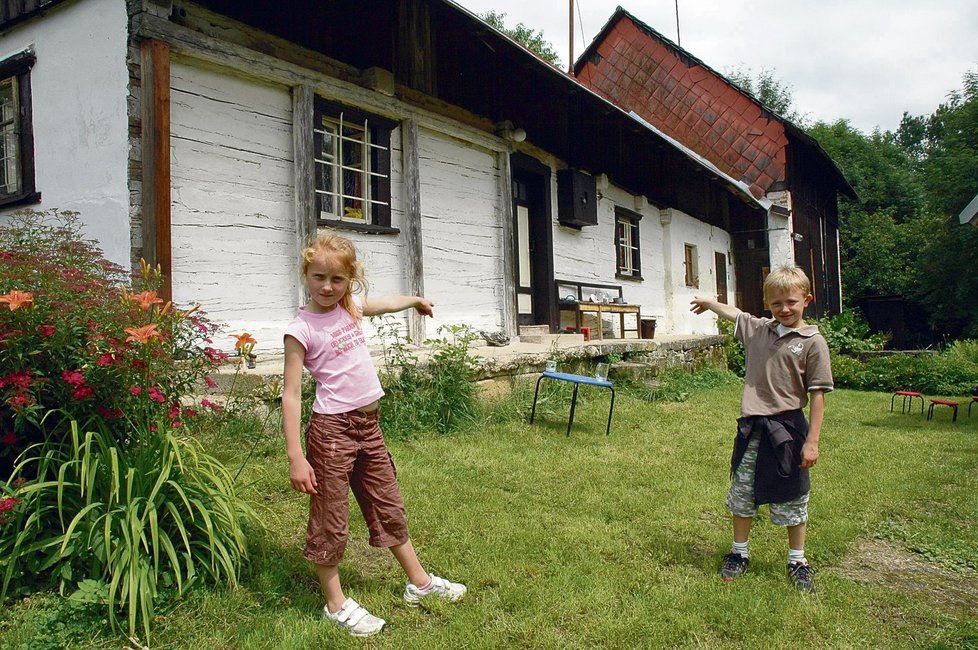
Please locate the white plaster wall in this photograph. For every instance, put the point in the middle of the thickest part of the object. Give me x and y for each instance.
(233, 230)
(708, 241)
(590, 255)
(461, 232)
(79, 88)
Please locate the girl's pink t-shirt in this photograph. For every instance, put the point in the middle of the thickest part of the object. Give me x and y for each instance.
(338, 358)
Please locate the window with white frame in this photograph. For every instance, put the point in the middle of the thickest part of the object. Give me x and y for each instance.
(352, 166)
(692, 266)
(627, 243)
(16, 131)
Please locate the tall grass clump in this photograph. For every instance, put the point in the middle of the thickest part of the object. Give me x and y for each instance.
(437, 395)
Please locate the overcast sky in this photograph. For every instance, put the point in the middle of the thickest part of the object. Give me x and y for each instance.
(864, 60)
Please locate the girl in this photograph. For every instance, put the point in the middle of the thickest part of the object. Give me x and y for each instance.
(344, 445)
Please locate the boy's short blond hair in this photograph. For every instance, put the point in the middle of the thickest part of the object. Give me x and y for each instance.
(786, 278)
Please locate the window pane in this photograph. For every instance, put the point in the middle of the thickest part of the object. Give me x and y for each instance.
(353, 209)
(327, 209)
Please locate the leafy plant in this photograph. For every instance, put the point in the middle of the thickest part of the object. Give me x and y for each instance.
(435, 396)
(123, 524)
(733, 350)
(848, 333)
(952, 372)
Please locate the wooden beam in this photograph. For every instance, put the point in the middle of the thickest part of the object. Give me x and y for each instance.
(411, 164)
(304, 173)
(157, 248)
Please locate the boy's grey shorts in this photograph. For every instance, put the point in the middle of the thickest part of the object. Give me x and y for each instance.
(740, 498)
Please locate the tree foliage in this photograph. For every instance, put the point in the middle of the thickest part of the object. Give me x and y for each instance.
(771, 91)
(527, 36)
(902, 235)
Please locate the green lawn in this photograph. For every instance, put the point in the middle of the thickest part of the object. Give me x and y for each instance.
(609, 541)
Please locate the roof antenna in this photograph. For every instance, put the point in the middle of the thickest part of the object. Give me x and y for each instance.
(570, 38)
(679, 38)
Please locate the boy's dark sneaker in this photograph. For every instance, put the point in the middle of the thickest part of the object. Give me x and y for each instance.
(800, 573)
(734, 566)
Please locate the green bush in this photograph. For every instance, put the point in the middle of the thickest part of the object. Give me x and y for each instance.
(848, 333)
(438, 395)
(949, 373)
(733, 349)
(123, 524)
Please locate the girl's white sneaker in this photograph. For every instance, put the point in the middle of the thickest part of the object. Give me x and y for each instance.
(439, 588)
(355, 619)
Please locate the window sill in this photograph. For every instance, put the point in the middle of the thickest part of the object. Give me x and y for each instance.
(358, 227)
(25, 199)
(633, 278)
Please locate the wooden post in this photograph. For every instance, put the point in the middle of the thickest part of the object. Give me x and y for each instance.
(508, 245)
(412, 223)
(155, 69)
(303, 147)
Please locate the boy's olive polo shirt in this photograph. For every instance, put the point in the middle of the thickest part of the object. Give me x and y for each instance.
(781, 370)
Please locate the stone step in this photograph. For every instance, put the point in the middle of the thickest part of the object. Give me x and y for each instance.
(534, 330)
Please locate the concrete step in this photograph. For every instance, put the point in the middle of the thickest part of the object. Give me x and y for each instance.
(534, 330)
(562, 340)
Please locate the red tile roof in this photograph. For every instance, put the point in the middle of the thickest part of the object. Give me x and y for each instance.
(642, 71)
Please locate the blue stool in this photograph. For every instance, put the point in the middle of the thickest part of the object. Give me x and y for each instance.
(577, 380)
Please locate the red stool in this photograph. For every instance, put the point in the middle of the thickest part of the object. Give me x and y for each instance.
(935, 402)
(907, 395)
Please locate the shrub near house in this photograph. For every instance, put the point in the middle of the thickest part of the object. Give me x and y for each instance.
(106, 491)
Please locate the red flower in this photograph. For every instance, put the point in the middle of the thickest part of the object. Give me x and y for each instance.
(105, 360)
(135, 390)
(8, 503)
(215, 355)
(176, 423)
(207, 404)
(152, 428)
(83, 392)
(18, 402)
(9, 438)
(20, 380)
(190, 413)
(210, 382)
(156, 395)
(46, 330)
(174, 412)
(73, 378)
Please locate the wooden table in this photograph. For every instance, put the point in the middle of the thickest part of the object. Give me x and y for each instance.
(599, 308)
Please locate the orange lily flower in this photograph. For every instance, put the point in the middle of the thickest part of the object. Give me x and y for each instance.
(142, 334)
(146, 299)
(17, 299)
(244, 339)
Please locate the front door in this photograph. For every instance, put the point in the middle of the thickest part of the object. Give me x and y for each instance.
(535, 290)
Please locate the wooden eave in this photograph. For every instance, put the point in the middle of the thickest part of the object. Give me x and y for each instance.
(13, 12)
(480, 76)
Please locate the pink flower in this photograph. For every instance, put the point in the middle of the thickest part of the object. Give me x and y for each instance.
(155, 395)
(190, 413)
(176, 423)
(46, 330)
(174, 412)
(8, 503)
(210, 382)
(9, 438)
(135, 390)
(215, 355)
(73, 378)
(152, 428)
(207, 404)
(105, 360)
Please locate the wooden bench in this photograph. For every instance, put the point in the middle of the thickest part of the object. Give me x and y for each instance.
(575, 297)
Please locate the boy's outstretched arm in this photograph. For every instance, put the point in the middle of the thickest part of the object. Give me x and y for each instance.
(809, 451)
(391, 304)
(700, 305)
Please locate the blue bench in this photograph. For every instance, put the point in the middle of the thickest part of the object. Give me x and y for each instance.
(577, 380)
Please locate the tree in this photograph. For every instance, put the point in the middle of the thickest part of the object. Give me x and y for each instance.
(771, 91)
(527, 36)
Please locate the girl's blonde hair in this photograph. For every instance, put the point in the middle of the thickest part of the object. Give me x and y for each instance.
(338, 252)
(786, 278)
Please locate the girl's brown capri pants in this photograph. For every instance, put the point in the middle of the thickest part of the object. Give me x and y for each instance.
(347, 451)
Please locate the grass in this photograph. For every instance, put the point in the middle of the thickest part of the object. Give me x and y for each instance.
(607, 541)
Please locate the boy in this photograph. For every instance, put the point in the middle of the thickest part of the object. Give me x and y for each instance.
(774, 448)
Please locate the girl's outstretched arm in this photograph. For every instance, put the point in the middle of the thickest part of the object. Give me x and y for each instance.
(300, 471)
(390, 304)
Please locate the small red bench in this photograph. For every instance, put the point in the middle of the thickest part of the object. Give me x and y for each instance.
(941, 402)
(907, 395)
